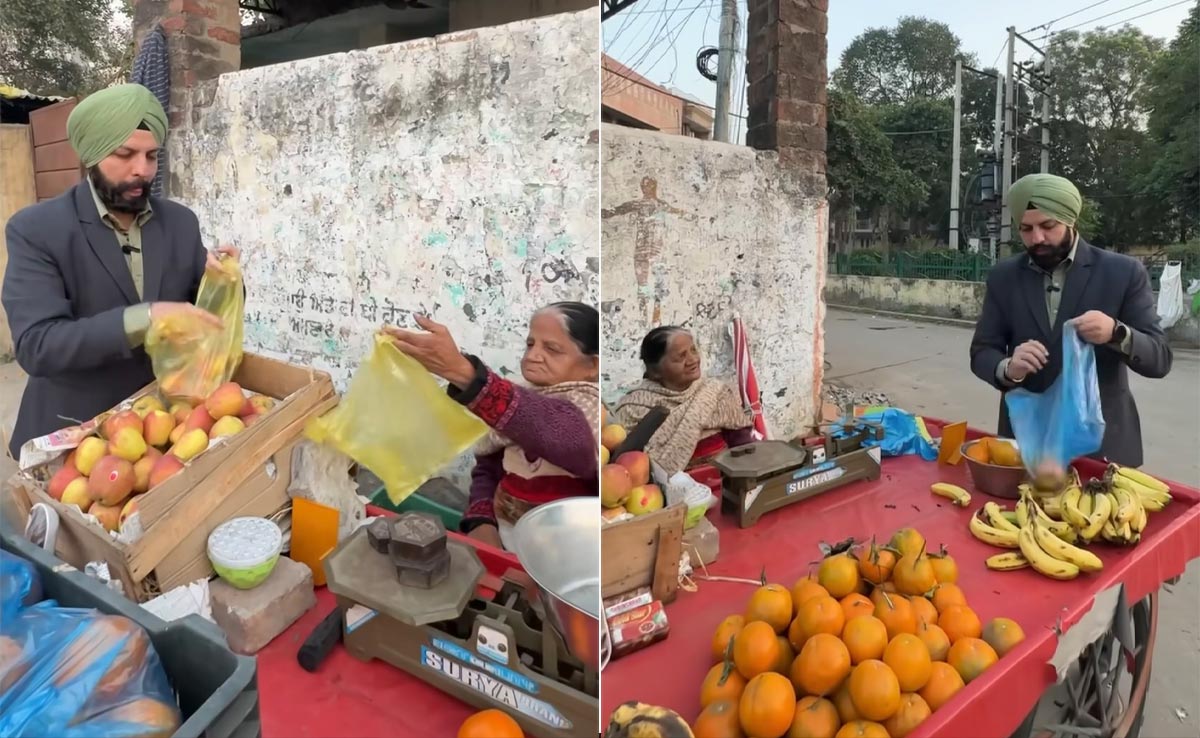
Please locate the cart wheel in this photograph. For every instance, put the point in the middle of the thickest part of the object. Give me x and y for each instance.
(1104, 693)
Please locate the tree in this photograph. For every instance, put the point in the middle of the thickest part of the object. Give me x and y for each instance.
(63, 47)
(896, 65)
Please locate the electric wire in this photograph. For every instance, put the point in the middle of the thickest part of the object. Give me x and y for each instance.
(1115, 12)
(1049, 23)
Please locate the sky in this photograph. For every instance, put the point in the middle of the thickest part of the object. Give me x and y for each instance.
(660, 38)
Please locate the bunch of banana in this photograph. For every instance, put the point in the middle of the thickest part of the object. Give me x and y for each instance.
(1152, 493)
(1088, 510)
(639, 720)
(1027, 508)
(996, 530)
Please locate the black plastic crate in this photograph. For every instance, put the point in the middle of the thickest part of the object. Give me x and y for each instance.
(216, 688)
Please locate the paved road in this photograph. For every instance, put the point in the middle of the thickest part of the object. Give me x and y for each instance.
(923, 367)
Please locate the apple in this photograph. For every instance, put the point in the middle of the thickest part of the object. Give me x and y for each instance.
(90, 450)
(142, 469)
(638, 464)
(60, 480)
(615, 484)
(166, 467)
(111, 480)
(108, 515)
(128, 444)
(199, 418)
(612, 436)
(157, 427)
(123, 419)
(644, 499)
(77, 494)
(129, 509)
(146, 404)
(228, 399)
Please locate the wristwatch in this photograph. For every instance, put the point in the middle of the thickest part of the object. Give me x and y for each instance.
(1120, 333)
(1007, 363)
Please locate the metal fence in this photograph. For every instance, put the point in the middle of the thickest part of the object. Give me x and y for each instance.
(968, 267)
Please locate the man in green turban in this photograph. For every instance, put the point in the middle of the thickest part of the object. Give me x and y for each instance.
(1062, 279)
(90, 269)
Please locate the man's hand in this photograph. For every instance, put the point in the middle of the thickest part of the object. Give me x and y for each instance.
(214, 257)
(1029, 358)
(435, 350)
(162, 310)
(1095, 327)
(488, 534)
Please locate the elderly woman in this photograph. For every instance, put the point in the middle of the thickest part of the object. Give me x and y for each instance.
(706, 415)
(543, 439)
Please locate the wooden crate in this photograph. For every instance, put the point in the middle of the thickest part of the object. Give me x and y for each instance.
(643, 552)
(246, 474)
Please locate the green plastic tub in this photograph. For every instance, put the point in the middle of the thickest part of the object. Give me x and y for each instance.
(416, 503)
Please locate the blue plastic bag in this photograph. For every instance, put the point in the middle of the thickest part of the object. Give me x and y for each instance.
(20, 586)
(1055, 427)
(903, 433)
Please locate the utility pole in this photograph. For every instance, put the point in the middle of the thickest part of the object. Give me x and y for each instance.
(1009, 135)
(955, 154)
(1045, 163)
(726, 55)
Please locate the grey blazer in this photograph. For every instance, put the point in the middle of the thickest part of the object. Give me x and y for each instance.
(1014, 311)
(65, 292)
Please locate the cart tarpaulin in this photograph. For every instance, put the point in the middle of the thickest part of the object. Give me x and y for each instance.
(1171, 307)
(746, 378)
(903, 433)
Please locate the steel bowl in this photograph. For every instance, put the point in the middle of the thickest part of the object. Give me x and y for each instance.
(558, 544)
(994, 479)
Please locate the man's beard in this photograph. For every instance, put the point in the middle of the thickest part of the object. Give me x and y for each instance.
(115, 196)
(1049, 256)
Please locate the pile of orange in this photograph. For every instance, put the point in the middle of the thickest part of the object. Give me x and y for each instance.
(994, 451)
(871, 644)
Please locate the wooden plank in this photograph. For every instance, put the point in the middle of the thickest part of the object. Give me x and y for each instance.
(49, 124)
(55, 156)
(643, 552)
(18, 189)
(53, 184)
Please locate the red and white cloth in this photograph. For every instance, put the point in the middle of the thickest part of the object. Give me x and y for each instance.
(746, 378)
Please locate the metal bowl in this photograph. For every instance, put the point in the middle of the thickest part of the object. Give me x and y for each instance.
(558, 544)
(994, 479)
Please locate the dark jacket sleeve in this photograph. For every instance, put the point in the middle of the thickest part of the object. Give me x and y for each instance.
(1149, 353)
(989, 345)
(47, 337)
(485, 477)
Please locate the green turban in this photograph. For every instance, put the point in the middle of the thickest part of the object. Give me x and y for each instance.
(1051, 194)
(105, 120)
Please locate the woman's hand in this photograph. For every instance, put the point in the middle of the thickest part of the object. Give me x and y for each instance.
(487, 533)
(435, 350)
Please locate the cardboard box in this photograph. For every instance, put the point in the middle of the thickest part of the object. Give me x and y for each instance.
(246, 474)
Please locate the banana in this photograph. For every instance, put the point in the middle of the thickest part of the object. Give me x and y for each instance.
(1022, 509)
(1041, 561)
(992, 535)
(1099, 516)
(1140, 477)
(996, 517)
(952, 492)
(1007, 561)
(1153, 500)
(639, 720)
(1127, 507)
(1085, 505)
(1072, 510)
(1138, 524)
(1059, 528)
(1063, 551)
(1053, 505)
(1011, 517)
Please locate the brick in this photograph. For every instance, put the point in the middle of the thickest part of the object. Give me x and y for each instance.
(252, 618)
(196, 7)
(226, 35)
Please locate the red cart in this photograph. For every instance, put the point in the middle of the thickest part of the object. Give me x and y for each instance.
(1014, 697)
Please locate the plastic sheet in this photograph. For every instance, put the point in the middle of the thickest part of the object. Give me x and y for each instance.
(1055, 427)
(77, 673)
(192, 358)
(20, 586)
(395, 420)
(903, 433)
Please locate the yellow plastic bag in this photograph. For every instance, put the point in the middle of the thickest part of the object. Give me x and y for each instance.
(395, 420)
(191, 358)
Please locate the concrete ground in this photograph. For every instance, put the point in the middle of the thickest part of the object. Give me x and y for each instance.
(923, 367)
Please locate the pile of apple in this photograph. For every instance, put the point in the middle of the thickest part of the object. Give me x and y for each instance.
(625, 487)
(142, 447)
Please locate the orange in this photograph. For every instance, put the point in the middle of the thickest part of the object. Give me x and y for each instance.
(1002, 634)
(979, 452)
(959, 621)
(856, 605)
(728, 628)
(945, 568)
(865, 638)
(719, 685)
(490, 724)
(772, 604)
(924, 610)
(815, 717)
(876, 566)
(943, 683)
(822, 666)
(838, 574)
(862, 729)
(718, 720)
(805, 589)
(844, 704)
(913, 574)
(767, 706)
(755, 649)
(912, 713)
(907, 541)
(818, 615)
(970, 657)
(947, 595)
(1003, 454)
(909, 660)
(935, 639)
(787, 654)
(897, 614)
(874, 690)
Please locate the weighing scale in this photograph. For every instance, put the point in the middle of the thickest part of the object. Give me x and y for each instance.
(761, 477)
(408, 594)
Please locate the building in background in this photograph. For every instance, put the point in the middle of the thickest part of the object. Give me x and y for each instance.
(629, 99)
